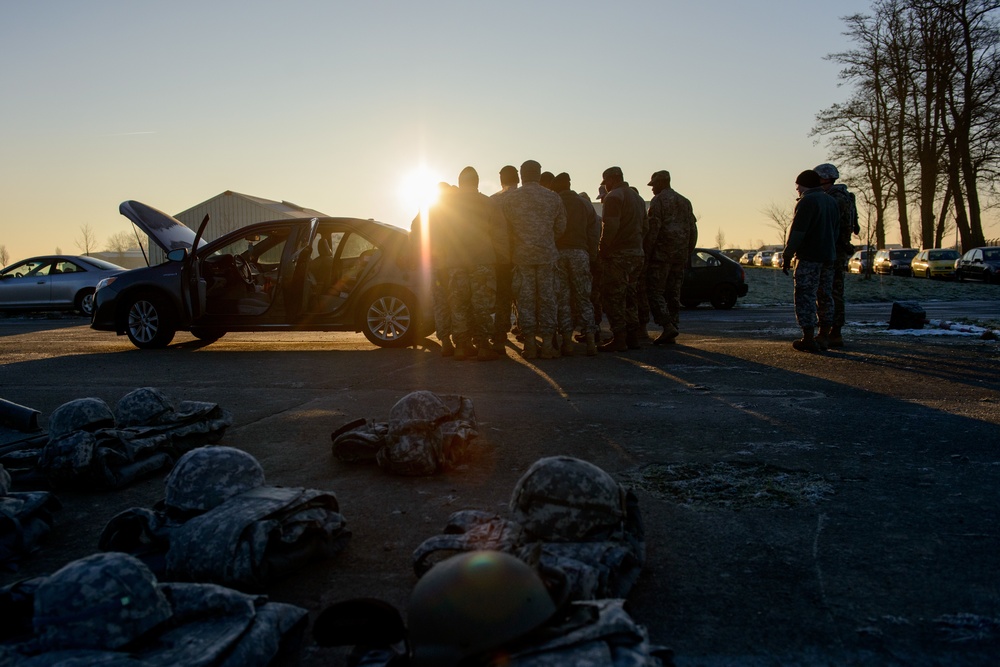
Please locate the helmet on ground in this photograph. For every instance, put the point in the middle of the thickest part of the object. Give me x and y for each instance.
(206, 477)
(142, 407)
(81, 414)
(473, 603)
(418, 407)
(565, 499)
(827, 171)
(102, 601)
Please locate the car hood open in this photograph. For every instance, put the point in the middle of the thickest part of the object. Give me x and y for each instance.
(165, 230)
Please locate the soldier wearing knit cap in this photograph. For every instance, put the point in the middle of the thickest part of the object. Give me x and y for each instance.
(573, 279)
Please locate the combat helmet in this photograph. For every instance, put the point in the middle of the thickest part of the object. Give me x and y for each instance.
(81, 414)
(565, 499)
(141, 407)
(206, 477)
(474, 603)
(103, 601)
(827, 171)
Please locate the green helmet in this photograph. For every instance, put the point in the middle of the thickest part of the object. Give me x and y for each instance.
(474, 603)
(103, 601)
(565, 499)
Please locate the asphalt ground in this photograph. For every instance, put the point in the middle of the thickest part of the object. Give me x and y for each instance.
(801, 509)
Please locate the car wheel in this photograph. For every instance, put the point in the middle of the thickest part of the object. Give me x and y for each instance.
(388, 317)
(84, 302)
(151, 323)
(724, 297)
(207, 335)
(960, 276)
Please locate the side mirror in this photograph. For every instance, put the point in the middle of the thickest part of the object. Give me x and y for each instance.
(178, 255)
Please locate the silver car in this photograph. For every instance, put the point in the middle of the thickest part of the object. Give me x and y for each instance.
(54, 282)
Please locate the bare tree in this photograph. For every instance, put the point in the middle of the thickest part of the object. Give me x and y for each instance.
(720, 239)
(4, 256)
(120, 243)
(87, 241)
(781, 219)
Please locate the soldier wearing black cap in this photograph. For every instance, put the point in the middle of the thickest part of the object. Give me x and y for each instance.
(621, 258)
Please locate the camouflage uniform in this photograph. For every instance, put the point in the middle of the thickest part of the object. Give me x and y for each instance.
(536, 216)
(573, 280)
(622, 255)
(437, 226)
(674, 235)
(812, 240)
(845, 248)
(594, 226)
(504, 270)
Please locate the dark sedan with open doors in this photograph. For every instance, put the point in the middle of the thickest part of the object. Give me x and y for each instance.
(305, 274)
(712, 276)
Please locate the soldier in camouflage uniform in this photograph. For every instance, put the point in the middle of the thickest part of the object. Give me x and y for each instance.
(594, 225)
(536, 217)
(674, 234)
(830, 333)
(431, 245)
(479, 233)
(573, 282)
(505, 298)
(621, 259)
(812, 241)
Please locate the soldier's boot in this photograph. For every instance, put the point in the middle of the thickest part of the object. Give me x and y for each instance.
(823, 338)
(642, 333)
(487, 353)
(807, 343)
(567, 344)
(464, 349)
(530, 350)
(499, 346)
(447, 349)
(669, 335)
(616, 344)
(591, 344)
(632, 339)
(549, 351)
(835, 338)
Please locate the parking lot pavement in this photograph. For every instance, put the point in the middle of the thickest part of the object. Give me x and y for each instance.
(800, 509)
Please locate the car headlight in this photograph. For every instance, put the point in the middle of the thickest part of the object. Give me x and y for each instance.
(104, 282)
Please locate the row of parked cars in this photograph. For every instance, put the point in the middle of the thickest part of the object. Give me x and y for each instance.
(765, 258)
(976, 264)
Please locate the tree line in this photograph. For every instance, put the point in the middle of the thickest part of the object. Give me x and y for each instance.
(919, 130)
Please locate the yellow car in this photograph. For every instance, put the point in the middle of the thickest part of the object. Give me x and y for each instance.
(934, 263)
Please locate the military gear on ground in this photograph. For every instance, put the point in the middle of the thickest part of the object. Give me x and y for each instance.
(81, 414)
(26, 518)
(108, 609)
(473, 603)
(222, 525)
(425, 433)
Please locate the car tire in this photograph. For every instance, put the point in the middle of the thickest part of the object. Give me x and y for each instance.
(84, 302)
(150, 322)
(388, 317)
(724, 297)
(207, 335)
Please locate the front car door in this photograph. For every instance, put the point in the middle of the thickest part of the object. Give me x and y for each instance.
(26, 283)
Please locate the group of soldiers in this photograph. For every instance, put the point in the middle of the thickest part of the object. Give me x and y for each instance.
(819, 241)
(539, 249)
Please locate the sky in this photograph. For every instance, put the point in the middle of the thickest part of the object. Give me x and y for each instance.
(342, 106)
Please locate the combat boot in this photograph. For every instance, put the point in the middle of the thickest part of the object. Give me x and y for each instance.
(499, 346)
(549, 350)
(465, 351)
(487, 353)
(642, 333)
(836, 339)
(632, 339)
(567, 344)
(447, 349)
(591, 344)
(807, 343)
(823, 338)
(530, 350)
(616, 344)
(669, 335)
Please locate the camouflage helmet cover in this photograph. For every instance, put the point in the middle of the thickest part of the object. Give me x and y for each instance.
(827, 171)
(81, 414)
(206, 477)
(103, 601)
(473, 603)
(142, 406)
(565, 499)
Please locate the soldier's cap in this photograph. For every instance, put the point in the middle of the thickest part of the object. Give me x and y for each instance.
(662, 175)
(611, 172)
(808, 179)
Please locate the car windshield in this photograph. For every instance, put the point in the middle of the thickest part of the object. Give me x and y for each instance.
(94, 262)
(943, 254)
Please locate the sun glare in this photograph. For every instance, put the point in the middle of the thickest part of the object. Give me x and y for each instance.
(419, 188)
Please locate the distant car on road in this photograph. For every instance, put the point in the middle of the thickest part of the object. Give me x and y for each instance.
(934, 263)
(54, 282)
(858, 262)
(777, 258)
(894, 262)
(305, 274)
(763, 258)
(979, 264)
(747, 258)
(712, 277)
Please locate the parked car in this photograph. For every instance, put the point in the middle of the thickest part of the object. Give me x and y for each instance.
(712, 277)
(777, 258)
(934, 263)
(762, 258)
(979, 264)
(733, 253)
(895, 262)
(858, 262)
(308, 274)
(747, 258)
(54, 282)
